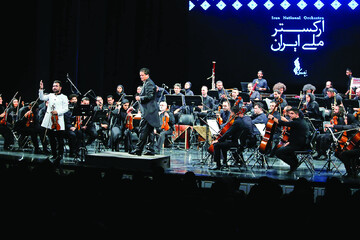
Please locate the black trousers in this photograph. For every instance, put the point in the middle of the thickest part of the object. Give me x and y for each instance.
(56, 139)
(350, 158)
(7, 135)
(145, 136)
(288, 156)
(222, 148)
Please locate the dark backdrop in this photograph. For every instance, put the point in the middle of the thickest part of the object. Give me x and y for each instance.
(100, 43)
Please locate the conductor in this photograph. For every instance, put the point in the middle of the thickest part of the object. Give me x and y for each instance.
(149, 114)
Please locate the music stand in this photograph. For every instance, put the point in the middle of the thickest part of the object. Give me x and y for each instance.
(294, 102)
(349, 104)
(176, 100)
(321, 101)
(193, 101)
(245, 96)
(82, 110)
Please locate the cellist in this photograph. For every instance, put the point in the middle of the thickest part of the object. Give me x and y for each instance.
(167, 121)
(237, 135)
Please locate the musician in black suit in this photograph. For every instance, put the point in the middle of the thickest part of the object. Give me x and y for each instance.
(298, 135)
(239, 134)
(149, 114)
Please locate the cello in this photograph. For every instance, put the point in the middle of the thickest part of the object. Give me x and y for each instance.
(226, 127)
(269, 130)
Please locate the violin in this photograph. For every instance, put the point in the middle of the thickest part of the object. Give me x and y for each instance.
(226, 127)
(78, 122)
(55, 120)
(269, 131)
(165, 123)
(30, 119)
(129, 122)
(3, 120)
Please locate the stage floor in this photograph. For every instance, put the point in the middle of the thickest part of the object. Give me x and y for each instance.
(199, 161)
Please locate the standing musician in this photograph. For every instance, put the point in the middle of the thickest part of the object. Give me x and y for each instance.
(149, 114)
(167, 128)
(262, 84)
(120, 130)
(298, 135)
(240, 130)
(5, 128)
(54, 118)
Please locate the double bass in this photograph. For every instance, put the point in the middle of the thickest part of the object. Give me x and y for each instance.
(226, 127)
(269, 130)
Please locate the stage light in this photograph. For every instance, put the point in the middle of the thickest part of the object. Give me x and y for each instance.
(285, 4)
(221, 5)
(252, 5)
(191, 5)
(237, 5)
(319, 4)
(335, 4)
(268, 5)
(302, 4)
(353, 4)
(205, 5)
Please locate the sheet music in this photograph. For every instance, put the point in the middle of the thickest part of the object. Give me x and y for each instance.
(261, 128)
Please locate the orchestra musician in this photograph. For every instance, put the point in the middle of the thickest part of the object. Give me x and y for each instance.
(120, 130)
(149, 114)
(28, 125)
(281, 87)
(177, 110)
(72, 129)
(262, 84)
(224, 113)
(167, 121)
(237, 135)
(259, 116)
(311, 107)
(188, 90)
(54, 118)
(328, 85)
(349, 77)
(5, 128)
(208, 103)
(223, 94)
(120, 92)
(331, 99)
(323, 140)
(254, 94)
(299, 133)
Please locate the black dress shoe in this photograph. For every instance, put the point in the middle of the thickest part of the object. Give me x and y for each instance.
(135, 152)
(149, 153)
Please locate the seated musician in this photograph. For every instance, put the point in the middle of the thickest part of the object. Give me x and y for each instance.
(224, 113)
(238, 135)
(120, 93)
(254, 95)
(13, 111)
(110, 102)
(281, 87)
(258, 117)
(331, 99)
(234, 94)
(298, 135)
(160, 94)
(72, 130)
(188, 90)
(277, 131)
(223, 94)
(162, 132)
(277, 94)
(323, 140)
(176, 109)
(307, 88)
(5, 128)
(28, 125)
(328, 85)
(120, 130)
(208, 103)
(357, 94)
(350, 157)
(88, 128)
(311, 107)
(99, 103)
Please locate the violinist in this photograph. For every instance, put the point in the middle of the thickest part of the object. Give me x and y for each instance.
(57, 106)
(120, 130)
(87, 125)
(5, 129)
(167, 121)
(323, 140)
(311, 107)
(236, 136)
(298, 135)
(188, 90)
(28, 125)
(72, 128)
(254, 95)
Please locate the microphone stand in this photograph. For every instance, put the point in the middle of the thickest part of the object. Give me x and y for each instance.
(72, 84)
